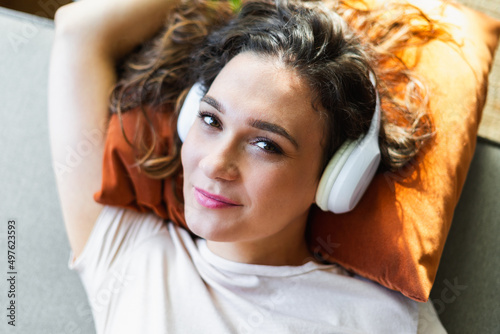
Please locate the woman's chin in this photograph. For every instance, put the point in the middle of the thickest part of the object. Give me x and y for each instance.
(210, 228)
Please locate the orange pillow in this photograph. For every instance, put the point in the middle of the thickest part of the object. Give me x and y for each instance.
(123, 183)
(396, 234)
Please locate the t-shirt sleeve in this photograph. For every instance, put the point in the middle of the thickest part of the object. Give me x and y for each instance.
(116, 233)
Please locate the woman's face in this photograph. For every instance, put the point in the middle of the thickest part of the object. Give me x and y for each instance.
(252, 157)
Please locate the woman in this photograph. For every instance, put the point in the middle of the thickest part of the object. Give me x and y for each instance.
(285, 84)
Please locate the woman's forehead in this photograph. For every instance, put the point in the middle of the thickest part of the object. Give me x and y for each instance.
(252, 89)
(261, 85)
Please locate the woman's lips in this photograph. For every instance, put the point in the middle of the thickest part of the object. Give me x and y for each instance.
(213, 201)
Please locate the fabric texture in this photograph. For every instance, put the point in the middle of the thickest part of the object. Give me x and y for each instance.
(396, 234)
(144, 275)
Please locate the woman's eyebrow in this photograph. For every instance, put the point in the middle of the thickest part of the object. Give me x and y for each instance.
(271, 127)
(255, 123)
(213, 102)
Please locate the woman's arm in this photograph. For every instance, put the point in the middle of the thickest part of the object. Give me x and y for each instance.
(90, 36)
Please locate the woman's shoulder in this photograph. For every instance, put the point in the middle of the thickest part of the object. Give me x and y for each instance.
(118, 223)
(119, 232)
(133, 229)
(123, 239)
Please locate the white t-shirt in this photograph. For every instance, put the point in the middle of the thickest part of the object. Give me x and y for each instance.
(143, 275)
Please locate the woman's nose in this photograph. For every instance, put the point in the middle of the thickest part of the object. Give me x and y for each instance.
(220, 162)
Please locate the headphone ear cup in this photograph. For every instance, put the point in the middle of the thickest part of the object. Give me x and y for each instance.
(352, 168)
(331, 173)
(347, 177)
(187, 114)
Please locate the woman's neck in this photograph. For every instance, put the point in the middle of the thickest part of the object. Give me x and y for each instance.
(288, 247)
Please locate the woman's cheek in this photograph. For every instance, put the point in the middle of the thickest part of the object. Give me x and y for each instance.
(190, 150)
(270, 184)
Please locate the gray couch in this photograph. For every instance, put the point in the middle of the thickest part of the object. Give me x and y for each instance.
(50, 298)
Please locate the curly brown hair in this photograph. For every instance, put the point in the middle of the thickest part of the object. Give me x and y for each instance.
(334, 45)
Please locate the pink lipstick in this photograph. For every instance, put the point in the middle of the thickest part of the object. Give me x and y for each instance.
(213, 201)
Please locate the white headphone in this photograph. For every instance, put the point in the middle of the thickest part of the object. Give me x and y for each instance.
(346, 176)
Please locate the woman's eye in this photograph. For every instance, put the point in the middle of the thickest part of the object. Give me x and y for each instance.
(268, 147)
(210, 120)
